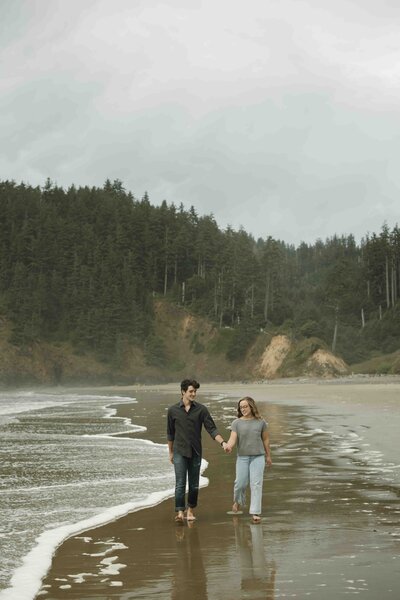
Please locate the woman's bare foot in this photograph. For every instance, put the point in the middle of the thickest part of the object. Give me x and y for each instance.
(236, 507)
(256, 518)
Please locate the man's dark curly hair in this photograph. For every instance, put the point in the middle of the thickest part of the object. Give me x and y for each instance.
(188, 382)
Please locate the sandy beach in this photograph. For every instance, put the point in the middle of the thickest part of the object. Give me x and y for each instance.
(331, 510)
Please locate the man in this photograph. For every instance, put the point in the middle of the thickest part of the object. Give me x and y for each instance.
(184, 424)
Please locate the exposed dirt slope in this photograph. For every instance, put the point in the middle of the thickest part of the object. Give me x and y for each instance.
(325, 364)
(273, 357)
(283, 357)
(183, 345)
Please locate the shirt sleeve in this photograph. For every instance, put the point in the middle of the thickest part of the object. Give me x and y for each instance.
(208, 423)
(170, 426)
(264, 426)
(234, 426)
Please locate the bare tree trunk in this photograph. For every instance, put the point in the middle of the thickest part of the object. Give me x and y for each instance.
(380, 312)
(335, 330)
(362, 318)
(394, 285)
(165, 278)
(252, 301)
(368, 289)
(397, 274)
(183, 293)
(221, 287)
(272, 296)
(387, 283)
(201, 268)
(166, 263)
(266, 300)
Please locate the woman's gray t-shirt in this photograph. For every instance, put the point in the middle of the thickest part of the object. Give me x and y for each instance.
(249, 432)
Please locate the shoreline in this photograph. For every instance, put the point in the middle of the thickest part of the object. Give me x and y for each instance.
(70, 550)
(30, 575)
(36, 562)
(356, 378)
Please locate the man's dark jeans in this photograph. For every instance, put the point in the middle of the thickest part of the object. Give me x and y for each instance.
(186, 468)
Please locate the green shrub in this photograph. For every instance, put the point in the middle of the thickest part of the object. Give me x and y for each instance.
(154, 351)
(242, 337)
(196, 345)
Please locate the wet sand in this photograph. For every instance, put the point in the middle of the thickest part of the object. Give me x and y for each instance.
(331, 514)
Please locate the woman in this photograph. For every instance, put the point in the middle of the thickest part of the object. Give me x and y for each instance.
(249, 430)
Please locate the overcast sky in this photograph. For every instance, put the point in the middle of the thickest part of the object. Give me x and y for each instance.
(281, 116)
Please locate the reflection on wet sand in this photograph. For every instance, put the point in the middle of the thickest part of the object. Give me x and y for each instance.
(189, 576)
(331, 512)
(257, 574)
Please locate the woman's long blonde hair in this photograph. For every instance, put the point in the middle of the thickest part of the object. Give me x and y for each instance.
(253, 407)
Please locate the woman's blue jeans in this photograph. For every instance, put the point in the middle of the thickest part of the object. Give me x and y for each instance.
(186, 469)
(249, 469)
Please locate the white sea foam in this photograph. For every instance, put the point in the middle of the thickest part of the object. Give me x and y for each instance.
(98, 482)
(110, 566)
(26, 580)
(218, 397)
(318, 430)
(68, 474)
(13, 405)
(81, 577)
(46, 460)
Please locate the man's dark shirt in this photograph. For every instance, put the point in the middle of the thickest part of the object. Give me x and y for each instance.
(184, 428)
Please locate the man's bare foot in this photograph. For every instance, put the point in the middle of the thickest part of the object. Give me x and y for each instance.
(256, 518)
(189, 515)
(179, 516)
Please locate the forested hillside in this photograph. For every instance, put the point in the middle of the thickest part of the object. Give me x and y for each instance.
(84, 265)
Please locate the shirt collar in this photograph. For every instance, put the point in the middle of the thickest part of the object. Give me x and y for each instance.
(181, 403)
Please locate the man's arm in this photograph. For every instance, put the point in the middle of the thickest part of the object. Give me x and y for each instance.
(218, 438)
(211, 428)
(170, 435)
(171, 450)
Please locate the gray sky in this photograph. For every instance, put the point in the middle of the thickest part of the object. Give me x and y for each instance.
(281, 116)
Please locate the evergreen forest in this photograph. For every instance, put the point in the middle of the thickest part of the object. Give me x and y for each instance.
(84, 265)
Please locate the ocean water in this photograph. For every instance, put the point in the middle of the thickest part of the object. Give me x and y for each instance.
(65, 465)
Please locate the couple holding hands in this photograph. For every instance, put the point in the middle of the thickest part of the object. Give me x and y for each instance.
(249, 431)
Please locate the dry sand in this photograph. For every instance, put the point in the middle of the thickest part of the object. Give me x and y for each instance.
(331, 516)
